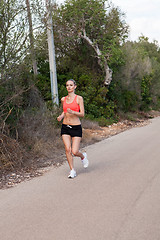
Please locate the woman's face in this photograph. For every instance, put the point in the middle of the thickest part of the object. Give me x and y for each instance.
(70, 86)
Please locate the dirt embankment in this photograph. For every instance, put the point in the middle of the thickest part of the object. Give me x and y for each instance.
(38, 166)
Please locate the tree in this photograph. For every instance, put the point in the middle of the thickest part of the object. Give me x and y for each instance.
(12, 51)
(15, 67)
(31, 37)
(137, 84)
(12, 34)
(91, 22)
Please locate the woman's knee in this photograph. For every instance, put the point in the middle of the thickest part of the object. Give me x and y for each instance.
(75, 152)
(68, 150)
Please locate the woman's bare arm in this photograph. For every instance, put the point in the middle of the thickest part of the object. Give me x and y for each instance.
(60, 117)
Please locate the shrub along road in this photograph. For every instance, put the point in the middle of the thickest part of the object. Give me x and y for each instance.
(116, 198)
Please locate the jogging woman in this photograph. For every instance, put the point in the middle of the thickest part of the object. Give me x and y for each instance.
(71, 131)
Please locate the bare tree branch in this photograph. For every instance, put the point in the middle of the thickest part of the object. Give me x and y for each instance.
(16, 95)
(102, 62)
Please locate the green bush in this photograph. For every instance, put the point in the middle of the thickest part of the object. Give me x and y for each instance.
(44, 86)
(104, 122)
(146, 92)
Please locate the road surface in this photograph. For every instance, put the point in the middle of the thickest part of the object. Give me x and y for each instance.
(116, 198)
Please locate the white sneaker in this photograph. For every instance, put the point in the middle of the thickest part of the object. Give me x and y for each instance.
(85, 160)
(72, 174)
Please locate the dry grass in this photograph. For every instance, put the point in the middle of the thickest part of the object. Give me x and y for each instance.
(39, 133)
(38, 141)
(88, 138)
(11, 154)
(88, 124)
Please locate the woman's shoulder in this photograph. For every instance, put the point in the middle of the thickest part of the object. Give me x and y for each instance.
(79, 98)
(62, 99)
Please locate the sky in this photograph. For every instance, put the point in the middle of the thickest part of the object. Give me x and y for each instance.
(142, 16)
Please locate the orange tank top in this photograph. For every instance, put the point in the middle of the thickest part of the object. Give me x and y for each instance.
(73, 105)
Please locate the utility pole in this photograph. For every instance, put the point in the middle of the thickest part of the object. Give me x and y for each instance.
(31, 37)
(51, 50)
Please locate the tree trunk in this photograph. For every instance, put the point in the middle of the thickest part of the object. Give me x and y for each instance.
(31, 37)
(103, 63)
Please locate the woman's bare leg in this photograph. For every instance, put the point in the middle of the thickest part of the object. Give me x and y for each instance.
(75, 147)
(67, 143)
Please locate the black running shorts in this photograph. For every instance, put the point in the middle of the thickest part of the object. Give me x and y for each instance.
(72, 130)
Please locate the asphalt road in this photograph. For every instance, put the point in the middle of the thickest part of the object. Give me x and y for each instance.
(116, 198)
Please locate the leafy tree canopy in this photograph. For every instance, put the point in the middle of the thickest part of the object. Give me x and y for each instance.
(94, 23)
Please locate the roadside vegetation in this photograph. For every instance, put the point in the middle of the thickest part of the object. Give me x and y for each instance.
(118, 79)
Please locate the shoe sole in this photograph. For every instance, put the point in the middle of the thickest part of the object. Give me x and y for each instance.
(72, 177)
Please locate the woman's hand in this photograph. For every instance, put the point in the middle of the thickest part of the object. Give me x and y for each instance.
(70, 111)
(60, 117)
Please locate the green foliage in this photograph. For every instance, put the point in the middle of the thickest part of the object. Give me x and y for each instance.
(116, 53)
(12, 33)
(44, 86)
(125, 99)
(104, 122)
(146, 92)
(129, 101)
(104, 26)
(136, 83)
(90, 12)
(150, 49)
